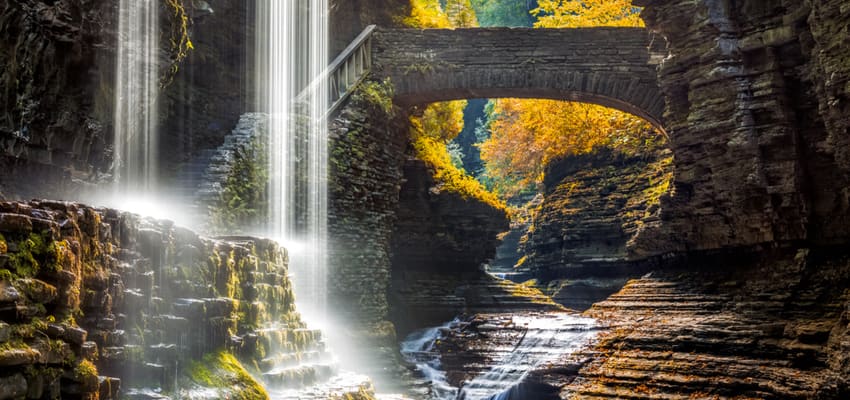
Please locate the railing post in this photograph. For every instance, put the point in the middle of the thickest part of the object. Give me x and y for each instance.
(345, 72)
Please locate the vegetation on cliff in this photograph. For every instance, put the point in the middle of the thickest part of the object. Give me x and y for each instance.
(439, 123)
(224, 372)
(525, 135)
(242, 201)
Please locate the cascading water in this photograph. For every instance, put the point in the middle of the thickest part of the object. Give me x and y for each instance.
(546, 338)
(291, 53)
(136, 91)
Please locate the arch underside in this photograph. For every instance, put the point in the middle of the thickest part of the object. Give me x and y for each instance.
(627, 93)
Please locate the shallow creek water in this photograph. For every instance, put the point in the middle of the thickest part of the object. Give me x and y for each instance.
(545, 338)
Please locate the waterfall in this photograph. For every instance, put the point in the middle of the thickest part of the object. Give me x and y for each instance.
(546, 338)
(291, 52)
(136, 90)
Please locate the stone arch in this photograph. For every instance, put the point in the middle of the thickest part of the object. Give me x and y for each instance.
(613, 67)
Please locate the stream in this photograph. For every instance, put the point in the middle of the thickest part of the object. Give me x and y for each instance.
(544, 338)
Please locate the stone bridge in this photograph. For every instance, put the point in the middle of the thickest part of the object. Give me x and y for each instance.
(613, 67)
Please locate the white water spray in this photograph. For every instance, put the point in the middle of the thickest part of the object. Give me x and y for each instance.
(292, 51)
(136, 91)
(547, 338)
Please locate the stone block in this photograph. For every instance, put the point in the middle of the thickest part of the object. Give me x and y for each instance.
(15, 223)
(13, 387)
(88, 351)
(37, 291)
(8, 293)
(75, 335)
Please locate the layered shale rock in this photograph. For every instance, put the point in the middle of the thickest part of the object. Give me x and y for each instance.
(439, 245)
(727, 326)
(210, 88)
(95, 302)
(755, 92)
(53, 121)
(593, 205)
(770, 329)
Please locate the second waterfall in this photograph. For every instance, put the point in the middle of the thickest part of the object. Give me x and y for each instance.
(291, 53)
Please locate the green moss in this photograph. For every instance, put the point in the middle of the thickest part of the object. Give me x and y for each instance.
(15, 344)
(85, 370)
(377, 93)
(35, 252)
(222, 370)
(242, 202)
(361, 394)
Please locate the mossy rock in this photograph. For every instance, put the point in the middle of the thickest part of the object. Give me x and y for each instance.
(223, 372)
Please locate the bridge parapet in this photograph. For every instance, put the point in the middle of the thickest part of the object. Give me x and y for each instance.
(614, 67)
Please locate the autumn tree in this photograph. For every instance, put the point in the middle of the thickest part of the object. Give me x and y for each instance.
(526, 134)
(433, 129)
(586, 13)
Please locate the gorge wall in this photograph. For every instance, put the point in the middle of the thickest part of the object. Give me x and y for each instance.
(754, 90)
(56, 101)
(592, 206)
(440, 243)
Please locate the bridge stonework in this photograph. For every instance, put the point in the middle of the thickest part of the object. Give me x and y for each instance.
(613, 67)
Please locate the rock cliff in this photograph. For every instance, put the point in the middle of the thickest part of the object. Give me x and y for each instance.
(439, 245)
(755, 92)
(592, 206)
(769, 325)
(96, 302)
(56, 99)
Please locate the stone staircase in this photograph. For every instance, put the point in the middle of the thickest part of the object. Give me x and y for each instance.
(199, 182)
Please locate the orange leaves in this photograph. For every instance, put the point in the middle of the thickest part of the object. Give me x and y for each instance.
(586, 13)
(528, 134)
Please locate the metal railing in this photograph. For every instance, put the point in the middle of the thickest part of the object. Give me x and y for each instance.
(345, 72)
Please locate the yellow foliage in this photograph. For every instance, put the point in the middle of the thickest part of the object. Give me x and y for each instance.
(426, 14)
(527, 134)
(429, 14)
(440, 123)
(586, 13)
(461, 14)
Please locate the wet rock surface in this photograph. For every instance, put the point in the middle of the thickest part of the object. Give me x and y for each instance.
(593, 205)
(487, 354)
(58, 61)
(770, 329)
(97, 302)
(772, 325)
(439, 245)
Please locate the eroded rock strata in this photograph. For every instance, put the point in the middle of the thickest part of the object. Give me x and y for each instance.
(593, 205)
(96, 302)
(754, 91)
(439, 245)
(771, 325)
(774, 328)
